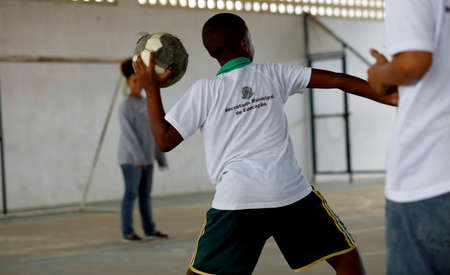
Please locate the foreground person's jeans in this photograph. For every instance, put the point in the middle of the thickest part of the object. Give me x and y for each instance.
(418, 237)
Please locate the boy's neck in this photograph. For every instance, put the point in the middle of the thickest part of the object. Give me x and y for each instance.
(234, 64)
(138, 96)
(225, 60)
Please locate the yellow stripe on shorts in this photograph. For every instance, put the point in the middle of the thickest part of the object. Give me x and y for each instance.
(198, 240)
(336, 220)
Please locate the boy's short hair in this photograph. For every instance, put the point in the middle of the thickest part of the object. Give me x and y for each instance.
(222, 34)
(127, 68)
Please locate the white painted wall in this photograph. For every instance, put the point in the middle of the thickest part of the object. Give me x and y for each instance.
(371, 123)
(53, 113)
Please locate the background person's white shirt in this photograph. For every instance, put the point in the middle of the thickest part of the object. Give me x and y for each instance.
(249, 154)
(418, 164)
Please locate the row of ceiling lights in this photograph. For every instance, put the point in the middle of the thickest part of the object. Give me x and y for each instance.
(288, 7)
(359, 3)
(95, 1)
(379, 4)
(367, 9)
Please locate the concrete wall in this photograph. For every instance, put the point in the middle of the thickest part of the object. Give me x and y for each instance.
(53, 113)
(370, 123)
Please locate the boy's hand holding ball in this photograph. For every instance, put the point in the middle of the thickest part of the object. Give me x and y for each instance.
(147, 76)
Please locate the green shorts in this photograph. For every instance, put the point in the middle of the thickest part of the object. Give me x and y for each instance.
(306, 232)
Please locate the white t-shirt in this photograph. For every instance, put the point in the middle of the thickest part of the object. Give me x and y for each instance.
(249, 154)
(418, 163)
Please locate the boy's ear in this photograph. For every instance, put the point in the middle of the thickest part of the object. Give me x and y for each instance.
(244, 45)
(127, 81)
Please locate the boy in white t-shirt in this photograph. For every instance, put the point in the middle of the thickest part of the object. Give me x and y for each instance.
(418, 163)
(260, 189)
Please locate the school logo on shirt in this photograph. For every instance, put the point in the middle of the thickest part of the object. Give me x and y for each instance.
(247, 92)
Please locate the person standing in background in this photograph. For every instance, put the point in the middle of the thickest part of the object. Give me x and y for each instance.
(418, 163)
(137, 152)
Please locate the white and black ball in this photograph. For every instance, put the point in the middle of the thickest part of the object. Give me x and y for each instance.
(169, 53)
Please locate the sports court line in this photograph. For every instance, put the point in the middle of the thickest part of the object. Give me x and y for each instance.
(370, 229)
(374, 253)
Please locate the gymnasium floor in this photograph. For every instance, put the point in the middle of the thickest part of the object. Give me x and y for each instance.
(89, 242)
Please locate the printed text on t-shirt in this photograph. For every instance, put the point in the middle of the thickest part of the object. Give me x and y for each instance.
(250, 105)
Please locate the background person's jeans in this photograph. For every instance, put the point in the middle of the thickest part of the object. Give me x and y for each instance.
(137, 183)
(418, 237)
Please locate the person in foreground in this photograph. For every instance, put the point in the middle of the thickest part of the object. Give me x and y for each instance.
(260, 189)
(137, 151)
(418, 162)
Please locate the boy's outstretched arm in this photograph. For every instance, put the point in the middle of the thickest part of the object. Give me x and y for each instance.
(166, 136)
(349, 84)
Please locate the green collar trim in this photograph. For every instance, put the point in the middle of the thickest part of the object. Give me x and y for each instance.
(234, 64)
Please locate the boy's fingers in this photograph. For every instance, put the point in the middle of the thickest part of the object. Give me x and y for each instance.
(378, 56)
(152, 60)
(393, 95)
(166, 74)
(139, 64)
(374, 53)
(392, 90)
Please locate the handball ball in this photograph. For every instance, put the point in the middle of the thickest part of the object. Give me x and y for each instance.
(169, 53)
